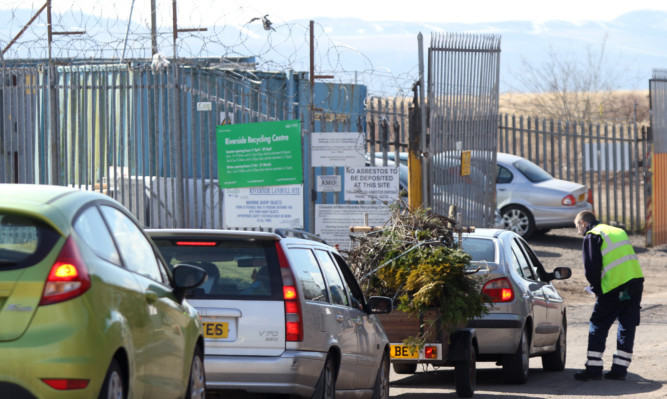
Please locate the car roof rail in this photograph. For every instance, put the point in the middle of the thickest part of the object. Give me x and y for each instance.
(284, 233)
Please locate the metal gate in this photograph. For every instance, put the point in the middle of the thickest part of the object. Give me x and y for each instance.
(656, 209)
(463, 79)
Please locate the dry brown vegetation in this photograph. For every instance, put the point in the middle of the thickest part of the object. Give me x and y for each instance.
(617, 107)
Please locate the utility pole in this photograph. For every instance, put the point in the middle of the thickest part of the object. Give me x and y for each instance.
(153, 28)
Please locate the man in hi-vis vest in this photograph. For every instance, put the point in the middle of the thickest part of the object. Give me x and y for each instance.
(616, 279)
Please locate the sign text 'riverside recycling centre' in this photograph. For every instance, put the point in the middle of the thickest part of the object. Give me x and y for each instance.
(259, 154)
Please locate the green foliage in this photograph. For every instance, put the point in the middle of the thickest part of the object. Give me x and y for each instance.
(415, 260)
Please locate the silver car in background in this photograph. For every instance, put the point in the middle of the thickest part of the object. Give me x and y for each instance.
(531, 200)
(527, 315)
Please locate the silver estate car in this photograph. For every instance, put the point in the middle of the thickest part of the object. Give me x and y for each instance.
(527, 316)
(282, 314)
(531, 200)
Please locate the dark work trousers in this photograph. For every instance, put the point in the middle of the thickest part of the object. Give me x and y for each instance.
(624, 306)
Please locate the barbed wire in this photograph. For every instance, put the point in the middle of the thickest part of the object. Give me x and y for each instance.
(211, 30)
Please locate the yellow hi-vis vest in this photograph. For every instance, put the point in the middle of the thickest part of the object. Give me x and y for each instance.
(619, 261)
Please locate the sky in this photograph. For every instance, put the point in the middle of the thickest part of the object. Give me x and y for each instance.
(206, 12)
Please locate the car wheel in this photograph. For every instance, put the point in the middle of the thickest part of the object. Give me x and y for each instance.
(114, 385)
(555, 361)
(519, 220)
(197, 381)
(405, 368)
(381, 387)
(465, 373)
(516, 365)
(326, 385)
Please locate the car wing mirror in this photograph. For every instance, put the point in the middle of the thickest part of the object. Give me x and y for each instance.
(562, 273)
(187, 277)
(379, 304)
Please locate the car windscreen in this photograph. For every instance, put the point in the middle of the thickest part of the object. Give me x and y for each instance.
(24, 241)
(236, 269)
(532, 172)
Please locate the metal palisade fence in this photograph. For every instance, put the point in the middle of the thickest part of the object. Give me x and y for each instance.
(463, 93)
(143, 135)
(609, 159)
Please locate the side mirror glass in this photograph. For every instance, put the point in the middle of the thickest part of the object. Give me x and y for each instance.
(562, 273)
(379, 304)
(187, 277)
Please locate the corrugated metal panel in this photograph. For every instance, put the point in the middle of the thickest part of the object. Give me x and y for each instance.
(659, 199)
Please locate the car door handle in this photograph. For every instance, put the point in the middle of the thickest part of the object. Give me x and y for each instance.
(151, 297)
(340, 318)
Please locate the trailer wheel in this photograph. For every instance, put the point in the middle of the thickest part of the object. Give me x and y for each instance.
(405, 368)
(465, 374)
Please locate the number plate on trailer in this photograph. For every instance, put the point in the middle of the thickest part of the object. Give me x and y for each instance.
(404, 352)
(216, 330)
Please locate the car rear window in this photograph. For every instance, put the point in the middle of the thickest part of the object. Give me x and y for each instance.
(236, 269)
(24, 241)
(481, 250)
(532, 172)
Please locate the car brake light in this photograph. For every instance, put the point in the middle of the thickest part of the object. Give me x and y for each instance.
(68, 277)
(589, 199)
(569, 200)
(500, 290)
(293, 319)
(196, 243)
(63, 384)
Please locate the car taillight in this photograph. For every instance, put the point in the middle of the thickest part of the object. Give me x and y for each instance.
(293, 319)
(589, 199)
(68, 277)
(500, 290)
(569, 200)
(63, 384)
(430, 352)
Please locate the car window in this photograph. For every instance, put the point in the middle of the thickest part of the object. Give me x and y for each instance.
(336, 284)
(308, 272)
(538, 268)
(479, 249)
(356, 294)
(236, 268)
(504, 175)
(521, 264)
(532, 172)
(90, 226)
(24, 241)
(136, 251)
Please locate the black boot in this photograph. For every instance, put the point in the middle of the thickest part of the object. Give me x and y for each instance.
(613, 375)
(586, 375)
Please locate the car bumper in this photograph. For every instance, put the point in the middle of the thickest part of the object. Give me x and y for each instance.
(293, 373)
(498, 333)
(558, 217)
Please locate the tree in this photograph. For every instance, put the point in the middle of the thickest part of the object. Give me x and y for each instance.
(578, 89)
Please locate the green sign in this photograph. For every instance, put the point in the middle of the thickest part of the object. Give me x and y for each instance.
(259, 154)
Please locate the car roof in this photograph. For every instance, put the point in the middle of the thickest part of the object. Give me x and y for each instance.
(487, 233)
(228, 234)
(507, 158)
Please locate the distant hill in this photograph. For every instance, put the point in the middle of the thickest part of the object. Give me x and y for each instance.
(382, 55)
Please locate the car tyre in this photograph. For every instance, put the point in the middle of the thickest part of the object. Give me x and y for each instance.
(405, 368)
(114, 386)
(326, 384)
(519, 220)
(197, 380)
(381, 387)
(516, 365)
(465, 375)
(555, 361)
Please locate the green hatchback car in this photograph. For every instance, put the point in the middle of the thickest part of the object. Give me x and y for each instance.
(88, 306)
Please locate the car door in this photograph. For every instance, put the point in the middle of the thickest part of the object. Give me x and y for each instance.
(345, 329)
(532, 292)
(160, 362)
(554, 302)
(372, 338)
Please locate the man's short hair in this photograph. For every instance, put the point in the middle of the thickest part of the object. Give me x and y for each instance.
(586, 216)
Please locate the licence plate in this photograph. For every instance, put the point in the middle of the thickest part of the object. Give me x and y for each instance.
(216, 330)
(404, 352)
(581, 197)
